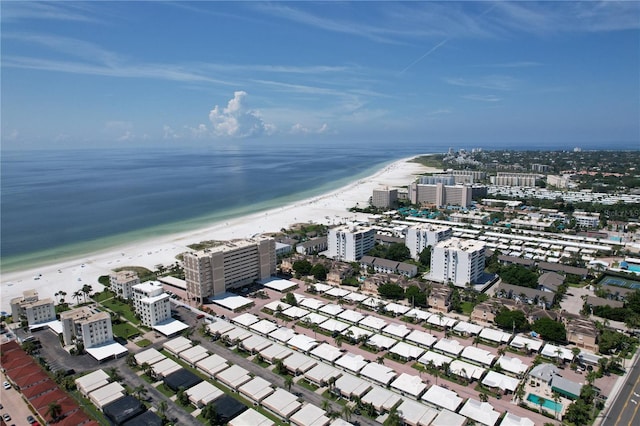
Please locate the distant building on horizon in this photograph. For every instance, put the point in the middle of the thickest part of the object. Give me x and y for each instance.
(350, 242)
(234, 264)
(458, 261)
(440, 194)
(515, 179)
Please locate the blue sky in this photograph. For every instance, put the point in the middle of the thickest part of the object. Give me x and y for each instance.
(109, 74)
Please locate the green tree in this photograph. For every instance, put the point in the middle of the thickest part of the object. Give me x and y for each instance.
(290, 299)
(398, 252)
(553, 331)
(425, 257)
(391, 291)
(182, 396)
(508, 319)
(319, 272)
(519, 275)
(54, 411)
(302, 267)
(288, 382)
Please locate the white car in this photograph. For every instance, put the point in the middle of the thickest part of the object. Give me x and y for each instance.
(7, 385)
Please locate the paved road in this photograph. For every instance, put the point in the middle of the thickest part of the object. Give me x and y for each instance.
(625, 409)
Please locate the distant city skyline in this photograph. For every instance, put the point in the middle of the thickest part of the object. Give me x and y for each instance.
(166, 74)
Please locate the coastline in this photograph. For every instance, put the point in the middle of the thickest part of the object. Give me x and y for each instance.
(331, 207)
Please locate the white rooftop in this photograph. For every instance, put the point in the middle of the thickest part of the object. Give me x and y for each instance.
(92, 381)
(478, 355)
(397, 330)
(311, 303)
(150, 356)
(410, 384)
(498, 380)
(302, 343)
(177, 345)
(442, 397)
(194, 354)
(315, 318)
(295, 312)
(356, 297)
(378, 373)
(337, 292)
(245, 319)
(449, 418)
(450, 346)
(397, 308)
(212, 364)
(553, 351)
(321, 373)
(106, 350)
(310, 415)
(334, 325)
(512, 364)
(273, 305)
(352, 386)
(237, 334)
(282, 403)
(331, 309)
(382, 399)
(165, 367)
(416, 413)
(467, 327)
(421, 338)
(279, 284)
(275, 351)
(350, 315)
(170, 327)
(352, 362)
(220, 327)
(437, 359)
(373, 302)
(203, 393)
(298, 362)
(326, 352)
(234, 376)
(256, 389)
(481, 412)
(443, 321)
(231, 301)
(321, 288)
(520, 342)
(406, 350)
(512, 420)
(465, 369)
(373, 323)
(256, 343)
(357, 332)
(494, 335)
(251, 417)
(381, 342)
(282, 334)
(418, 314)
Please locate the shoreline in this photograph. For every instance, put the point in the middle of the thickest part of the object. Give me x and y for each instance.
(71, 274)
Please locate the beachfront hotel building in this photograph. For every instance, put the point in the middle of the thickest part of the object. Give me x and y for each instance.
(32, 309)
(234, 264)
(515, 179)
(458, 261)
(440, 195)
(384, 198)
(87, 325)
(151, 303)
(425, 235)
(121, 283)
(350, 242)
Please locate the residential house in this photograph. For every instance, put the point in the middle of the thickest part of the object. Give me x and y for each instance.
(312, 246)
(440, 298)
(526, 295)
(550, 281)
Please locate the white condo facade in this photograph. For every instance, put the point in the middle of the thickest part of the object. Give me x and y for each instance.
(86, 325)
(151, 303)
(350, 242)
(121, 283)
(31, 308)
(457, 261)
(234, 264)
(425, 235)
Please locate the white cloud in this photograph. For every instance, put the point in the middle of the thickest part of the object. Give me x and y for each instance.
(482, 98)
(299, 129)
(238, 121)
(169, 133)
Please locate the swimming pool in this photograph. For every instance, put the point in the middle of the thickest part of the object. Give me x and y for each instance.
(546, 403)
(634, 268)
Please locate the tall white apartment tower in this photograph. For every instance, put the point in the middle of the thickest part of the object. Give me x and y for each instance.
(425, 235)
(121, 283)
(457, 261)
(233, 264)
(86, 324)
(151, 303)
(350, 242)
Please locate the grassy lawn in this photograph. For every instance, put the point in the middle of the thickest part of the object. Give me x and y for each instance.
(121, 308)
(166, 391)
(263, 364)
(102, 296)
(332, 397)
(467, 308)
(125, 330)
(305, 384)
(143, 343)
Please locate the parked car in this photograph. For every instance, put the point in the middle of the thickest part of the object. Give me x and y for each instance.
(6, 385)
(31, 420)
(6, 417)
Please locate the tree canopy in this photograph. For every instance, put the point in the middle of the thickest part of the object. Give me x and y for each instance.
(519, 275)
(508, 319)
(553, 331)
(391, 291)
(319, 272)
(302, 267)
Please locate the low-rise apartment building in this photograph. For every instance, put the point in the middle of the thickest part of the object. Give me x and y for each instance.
(30, 308)
(121, 283)
(87, 325)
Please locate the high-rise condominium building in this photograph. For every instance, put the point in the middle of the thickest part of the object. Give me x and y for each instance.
(515, 179)
(440, 194)
(121, 283)
(233, 264)
(384, 198)
(425, 235)
(350, 242)
(151, 303)
(458, 261)
(86, 325)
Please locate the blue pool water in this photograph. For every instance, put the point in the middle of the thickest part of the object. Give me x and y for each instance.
(546, 403)
(634, 268)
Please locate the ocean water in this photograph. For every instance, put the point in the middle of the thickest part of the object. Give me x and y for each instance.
(57, 204)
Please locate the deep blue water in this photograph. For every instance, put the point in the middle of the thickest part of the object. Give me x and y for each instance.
(52, 200)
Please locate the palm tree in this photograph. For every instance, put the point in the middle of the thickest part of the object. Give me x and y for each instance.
(288, 382)
(347, 411)
(483, 397)
(380, 360)
(114, 374)
(162, 408)
(575, 351)
(556, 399)
(139, 391)
(326, 405)
(86, 289)
(476, 340)
(394, 418)
(279, 366)
(146, 367)
(502, 351)
(76, 295)
(54, 410)
(131, 360)
(332, 383)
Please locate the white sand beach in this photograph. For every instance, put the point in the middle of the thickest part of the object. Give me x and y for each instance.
(330, 208)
